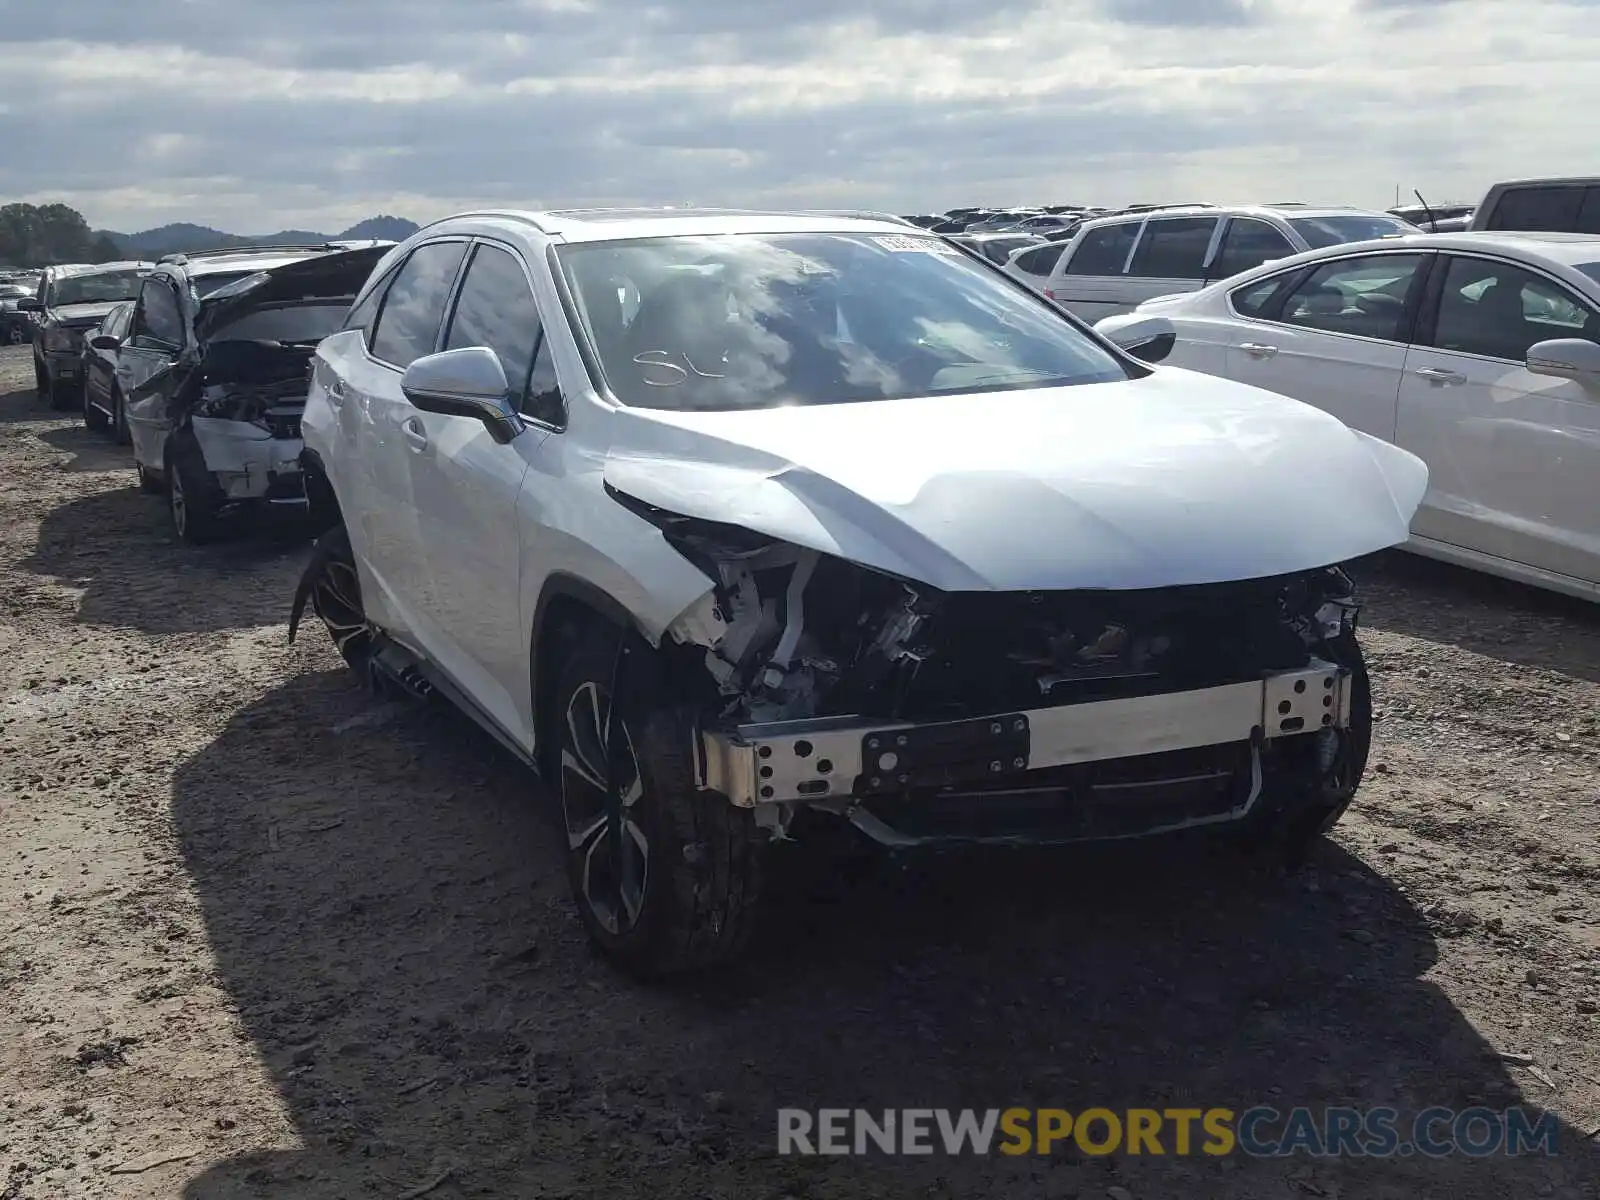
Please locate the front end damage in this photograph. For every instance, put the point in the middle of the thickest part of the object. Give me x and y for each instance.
(927, 717)
(244, 411)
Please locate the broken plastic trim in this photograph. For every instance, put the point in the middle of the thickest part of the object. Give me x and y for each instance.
(702, 542)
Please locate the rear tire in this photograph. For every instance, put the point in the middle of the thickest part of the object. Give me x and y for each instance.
(332, 588)
(667, 878)
(150, 483)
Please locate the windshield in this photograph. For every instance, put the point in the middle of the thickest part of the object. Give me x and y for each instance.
(1592, 270)
(103, 287)
(1337, 229)
(757, 321)
(289, 323)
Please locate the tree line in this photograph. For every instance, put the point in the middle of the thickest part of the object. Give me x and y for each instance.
(38, 235)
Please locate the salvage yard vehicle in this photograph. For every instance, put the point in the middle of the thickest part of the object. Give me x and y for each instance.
(213, 374)
(16, 326)
(837, 525)
(1478, 352)
(103, 409)
(71, 301)
(1113, 263)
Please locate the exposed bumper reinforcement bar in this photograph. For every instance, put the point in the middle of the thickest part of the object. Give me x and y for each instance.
(834, 757)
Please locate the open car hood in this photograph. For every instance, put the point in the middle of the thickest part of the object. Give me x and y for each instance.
(322, 276)
(1174, 479)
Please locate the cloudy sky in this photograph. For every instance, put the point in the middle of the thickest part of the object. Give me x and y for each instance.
(253, 115)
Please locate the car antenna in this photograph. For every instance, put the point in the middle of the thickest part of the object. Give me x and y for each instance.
(1428, 212)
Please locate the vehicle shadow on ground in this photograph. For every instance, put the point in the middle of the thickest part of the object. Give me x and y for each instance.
(390, 916)
(22, 406)
(118, 546)
(90, 451)
(1503, 620)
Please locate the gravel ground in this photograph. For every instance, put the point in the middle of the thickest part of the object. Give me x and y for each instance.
(260, 937)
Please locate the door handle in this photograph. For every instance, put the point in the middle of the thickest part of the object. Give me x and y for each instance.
(336, 393)
(414, 433)
(1257, 350)
(1440, 377)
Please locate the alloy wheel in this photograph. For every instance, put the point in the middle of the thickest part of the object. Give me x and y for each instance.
(601, 787)
(178, 502)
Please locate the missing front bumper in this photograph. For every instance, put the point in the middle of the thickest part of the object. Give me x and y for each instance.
(831, 759)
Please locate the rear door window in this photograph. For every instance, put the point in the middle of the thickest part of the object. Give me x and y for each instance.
(1041, 261)
(1174, 248)
(1104, 251)
(1362, 297)
(1549, 209)
(1248, 243)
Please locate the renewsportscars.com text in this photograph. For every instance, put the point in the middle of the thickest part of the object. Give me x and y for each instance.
(1260, 1132)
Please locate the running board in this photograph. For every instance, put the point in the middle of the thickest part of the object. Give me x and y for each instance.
(424, 682)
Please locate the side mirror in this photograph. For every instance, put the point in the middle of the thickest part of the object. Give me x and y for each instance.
(469, 382)
(1149, 339)
(1577, 359)
(29, 304)
(104, 341)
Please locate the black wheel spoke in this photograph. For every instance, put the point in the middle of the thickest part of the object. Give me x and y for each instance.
(600, 788)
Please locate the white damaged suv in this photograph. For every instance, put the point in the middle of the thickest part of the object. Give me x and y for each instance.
(734, 524)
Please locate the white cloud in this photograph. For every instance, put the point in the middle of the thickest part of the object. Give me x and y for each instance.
(420, 108)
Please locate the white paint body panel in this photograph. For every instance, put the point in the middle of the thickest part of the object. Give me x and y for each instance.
(1514, 457)
(1174, 479)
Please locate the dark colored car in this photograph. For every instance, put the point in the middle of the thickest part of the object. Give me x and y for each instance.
(71, 301)
(15, 327)
(102, 395)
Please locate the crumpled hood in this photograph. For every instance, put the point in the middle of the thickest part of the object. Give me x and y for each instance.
(81, 316)
(326, 275)
(1178, 478)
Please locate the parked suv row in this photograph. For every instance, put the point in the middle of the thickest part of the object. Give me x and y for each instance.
(1115, 263)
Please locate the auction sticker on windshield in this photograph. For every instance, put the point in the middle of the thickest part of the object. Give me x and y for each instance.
(916, 245)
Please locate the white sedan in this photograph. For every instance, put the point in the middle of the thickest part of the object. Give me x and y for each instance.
(1480, 353)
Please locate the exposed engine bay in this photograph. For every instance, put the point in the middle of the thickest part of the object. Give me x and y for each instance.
(791, 634)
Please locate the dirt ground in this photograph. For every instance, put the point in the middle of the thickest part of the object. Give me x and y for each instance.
(261, 936)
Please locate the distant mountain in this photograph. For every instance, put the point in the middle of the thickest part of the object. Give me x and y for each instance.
(186, 238)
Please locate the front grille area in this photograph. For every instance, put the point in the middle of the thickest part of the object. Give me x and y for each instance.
(1116, 798)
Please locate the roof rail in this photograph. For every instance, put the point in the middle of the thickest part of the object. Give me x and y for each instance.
(184, 256)
(520, 214)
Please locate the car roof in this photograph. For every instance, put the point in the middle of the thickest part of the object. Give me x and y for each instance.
(1567, 248)
(1285, 211)
(614, 224)
(73, 270)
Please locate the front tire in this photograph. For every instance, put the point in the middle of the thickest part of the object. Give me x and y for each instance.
(1308, 805)
(667, 878)
(190, 500)
(120, 433)
(41, 381)
(93, 418)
